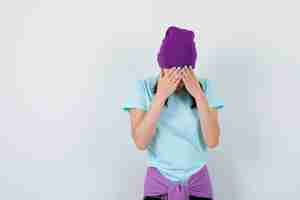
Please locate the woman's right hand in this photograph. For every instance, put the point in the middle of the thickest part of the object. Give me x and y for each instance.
(168, 82)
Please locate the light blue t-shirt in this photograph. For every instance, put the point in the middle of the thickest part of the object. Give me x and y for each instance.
(178, 149)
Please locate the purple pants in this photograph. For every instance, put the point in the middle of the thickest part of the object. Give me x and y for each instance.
(157, 186)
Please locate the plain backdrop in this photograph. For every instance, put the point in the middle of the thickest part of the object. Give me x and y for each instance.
(66, 67)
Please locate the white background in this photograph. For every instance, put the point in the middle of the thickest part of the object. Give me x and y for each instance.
(66, 67)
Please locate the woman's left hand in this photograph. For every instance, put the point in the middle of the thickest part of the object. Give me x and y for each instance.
(191, 82)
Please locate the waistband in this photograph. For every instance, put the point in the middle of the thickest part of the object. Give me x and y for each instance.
(198, 184)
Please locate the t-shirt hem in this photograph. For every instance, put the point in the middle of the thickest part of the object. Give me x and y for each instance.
(183, 179)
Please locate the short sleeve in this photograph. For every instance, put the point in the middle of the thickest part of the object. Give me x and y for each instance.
(135, 96)
(214, 99)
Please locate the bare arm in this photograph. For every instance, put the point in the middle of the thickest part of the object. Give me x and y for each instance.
(143, 124)
(209, 116)
(209, 122)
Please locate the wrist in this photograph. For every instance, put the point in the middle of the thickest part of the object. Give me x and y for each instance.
(199, 97)
(160, 99)
(202, 104)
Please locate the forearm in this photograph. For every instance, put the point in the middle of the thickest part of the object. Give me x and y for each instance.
(209, 125)
(147, 127)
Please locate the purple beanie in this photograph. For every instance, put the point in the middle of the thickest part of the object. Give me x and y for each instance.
(177, 49)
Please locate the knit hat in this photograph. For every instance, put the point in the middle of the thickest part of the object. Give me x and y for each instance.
(177, 48)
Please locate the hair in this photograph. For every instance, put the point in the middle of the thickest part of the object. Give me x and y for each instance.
(193, 105)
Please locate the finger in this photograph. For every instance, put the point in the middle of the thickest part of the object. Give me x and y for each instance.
(175, 74)
(172, 71)
(177, 81)
(182, 72)
(190, 70)
(179, 73)
(166, 72)
(179, 77)
(193, 74)
(185, 73)
(175, 78)
(184, 79)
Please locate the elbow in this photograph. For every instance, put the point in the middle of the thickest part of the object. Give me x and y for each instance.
(212, 145)
(141, 141)
(141, 147)
(213, 142)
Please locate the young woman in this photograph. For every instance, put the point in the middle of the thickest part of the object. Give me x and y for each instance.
(174, 116)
